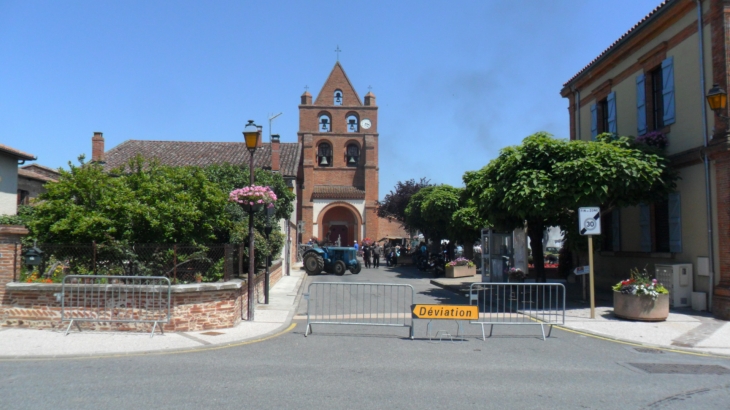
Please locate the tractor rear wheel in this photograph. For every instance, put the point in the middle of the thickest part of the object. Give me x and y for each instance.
(339, 268)
(356, 269)
(313, 263)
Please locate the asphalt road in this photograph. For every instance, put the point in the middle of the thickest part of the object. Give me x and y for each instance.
(348, 367)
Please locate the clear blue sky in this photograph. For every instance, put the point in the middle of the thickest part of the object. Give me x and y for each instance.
(455, 81)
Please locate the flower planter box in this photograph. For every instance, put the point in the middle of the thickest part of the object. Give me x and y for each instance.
(460, 271)
(641, 307)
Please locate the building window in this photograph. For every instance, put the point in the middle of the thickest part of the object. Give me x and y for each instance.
(353, 155)
(603, 116)
(325, 123)
(338, 97)
(324, 155)
(655, 98)
(661, 225)
(602, 112)
(655, 102)
(352, 125)
(611, 230)
(23, 197)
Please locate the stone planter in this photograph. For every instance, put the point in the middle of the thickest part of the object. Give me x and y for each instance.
(641, 307)
(460, 271)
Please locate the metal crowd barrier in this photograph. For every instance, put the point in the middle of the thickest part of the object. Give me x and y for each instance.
(518, 304)
(128, 299)
(367, 304)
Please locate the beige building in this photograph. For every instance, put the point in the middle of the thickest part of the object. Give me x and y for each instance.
(652, 82)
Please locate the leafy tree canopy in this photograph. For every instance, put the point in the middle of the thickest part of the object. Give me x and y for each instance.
(395, 202)
(544, 181)
(145, 202)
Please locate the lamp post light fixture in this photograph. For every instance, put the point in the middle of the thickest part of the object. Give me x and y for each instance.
(251, 135)
(717, 99)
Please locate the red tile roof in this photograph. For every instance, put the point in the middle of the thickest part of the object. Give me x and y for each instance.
(17, 153)
(25, 173)
(616, 43)
(337, 192)
(182, 153)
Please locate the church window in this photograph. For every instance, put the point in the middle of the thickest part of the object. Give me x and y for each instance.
(352, 123)
(353, 155)
(325, 124)
(324, 155)
(338, 97)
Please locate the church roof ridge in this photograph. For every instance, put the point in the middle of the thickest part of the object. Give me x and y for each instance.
(329, 78)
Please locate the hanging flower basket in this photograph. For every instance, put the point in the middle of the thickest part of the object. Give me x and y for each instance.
(253, 198)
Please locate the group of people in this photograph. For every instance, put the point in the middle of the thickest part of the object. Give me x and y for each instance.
(371, 254)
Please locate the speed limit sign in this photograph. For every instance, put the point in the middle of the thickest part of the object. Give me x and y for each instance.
(589, 221)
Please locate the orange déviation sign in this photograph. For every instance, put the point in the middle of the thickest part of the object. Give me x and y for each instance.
(445, 312)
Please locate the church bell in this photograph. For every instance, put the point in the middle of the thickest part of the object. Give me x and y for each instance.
(323, 161)
(351, 160)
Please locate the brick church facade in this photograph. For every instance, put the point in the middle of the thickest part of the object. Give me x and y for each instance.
(338, 172)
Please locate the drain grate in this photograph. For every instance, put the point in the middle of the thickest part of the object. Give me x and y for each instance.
(212, 333)
(675, 368)
(647, 350)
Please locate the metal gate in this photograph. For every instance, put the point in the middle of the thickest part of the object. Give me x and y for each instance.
(131, 299)
(518, 304)
(365, 304)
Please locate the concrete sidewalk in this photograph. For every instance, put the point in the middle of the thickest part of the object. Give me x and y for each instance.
(270, 319)
(684, 329)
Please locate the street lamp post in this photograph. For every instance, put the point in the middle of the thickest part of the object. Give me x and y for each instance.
(267, 230)
(251, 135)
(290, 186)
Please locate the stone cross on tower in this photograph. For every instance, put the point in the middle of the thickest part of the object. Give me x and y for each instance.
(338, 51)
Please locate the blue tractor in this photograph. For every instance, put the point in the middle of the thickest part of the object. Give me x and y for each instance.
(331, 259)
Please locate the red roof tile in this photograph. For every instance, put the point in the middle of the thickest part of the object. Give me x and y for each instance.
(183, 153)
(17, 153)
(337, 192)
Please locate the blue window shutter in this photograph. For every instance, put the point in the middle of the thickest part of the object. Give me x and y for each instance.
(640, 105)
(645, 224)
(611, 100)
(675, 222)
(668, 90)
(616, 229)
(594, 122)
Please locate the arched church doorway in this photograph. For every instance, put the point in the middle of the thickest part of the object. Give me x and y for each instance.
(340, 222)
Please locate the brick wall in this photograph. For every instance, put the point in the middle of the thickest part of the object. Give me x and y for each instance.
(194, 307)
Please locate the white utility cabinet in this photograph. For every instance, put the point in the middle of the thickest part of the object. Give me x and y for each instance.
(678, 281)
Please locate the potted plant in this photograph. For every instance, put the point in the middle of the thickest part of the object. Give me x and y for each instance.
(198, 277)
(459, 268)
(641, 298)
(253, 198)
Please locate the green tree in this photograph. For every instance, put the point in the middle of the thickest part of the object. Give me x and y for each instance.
(414, 217)
(544, 181)
(395, 202)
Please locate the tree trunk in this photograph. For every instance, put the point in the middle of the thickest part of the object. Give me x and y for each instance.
(535, 231)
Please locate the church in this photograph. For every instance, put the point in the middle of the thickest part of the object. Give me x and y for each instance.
(333, 166)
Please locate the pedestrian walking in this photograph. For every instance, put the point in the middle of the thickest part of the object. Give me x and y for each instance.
(367, 250)
(376, 256)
